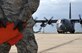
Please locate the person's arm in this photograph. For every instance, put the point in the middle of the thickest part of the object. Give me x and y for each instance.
(28, 9)
(3, 19)
(25, 13)
(33, 5)
(24, 16)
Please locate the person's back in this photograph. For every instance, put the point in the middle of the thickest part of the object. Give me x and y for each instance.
(22, 10)
(14, 8)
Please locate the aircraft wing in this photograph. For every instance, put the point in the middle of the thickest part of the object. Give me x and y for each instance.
(75, 20)
(45, 21)
(40, 21)
(52, 21)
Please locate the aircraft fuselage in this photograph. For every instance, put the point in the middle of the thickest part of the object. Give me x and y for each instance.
(65, 25)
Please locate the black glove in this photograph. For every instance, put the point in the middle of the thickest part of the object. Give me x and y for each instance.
(18, 24)
(3, 22)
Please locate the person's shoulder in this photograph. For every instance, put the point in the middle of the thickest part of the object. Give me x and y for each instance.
(34, 1)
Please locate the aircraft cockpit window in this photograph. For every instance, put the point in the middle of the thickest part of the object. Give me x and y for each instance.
(62, 21)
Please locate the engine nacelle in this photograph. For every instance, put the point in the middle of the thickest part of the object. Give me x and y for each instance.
(81, 22)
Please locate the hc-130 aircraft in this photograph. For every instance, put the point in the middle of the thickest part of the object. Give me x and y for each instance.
(63, 25)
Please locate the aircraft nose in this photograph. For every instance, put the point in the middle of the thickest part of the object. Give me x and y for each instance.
(60, 27)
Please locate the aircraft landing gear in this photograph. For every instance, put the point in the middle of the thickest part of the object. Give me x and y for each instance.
(60, 32)
(73, 31)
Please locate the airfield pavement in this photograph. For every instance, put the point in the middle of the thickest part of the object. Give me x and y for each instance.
(57, 43)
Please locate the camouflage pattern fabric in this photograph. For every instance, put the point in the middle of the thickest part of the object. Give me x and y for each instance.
(23, 10)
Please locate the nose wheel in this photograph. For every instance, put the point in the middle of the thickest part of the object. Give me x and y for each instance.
(73, 31)
(60, 31)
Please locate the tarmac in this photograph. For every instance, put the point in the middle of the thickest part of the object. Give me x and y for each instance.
(57, 43)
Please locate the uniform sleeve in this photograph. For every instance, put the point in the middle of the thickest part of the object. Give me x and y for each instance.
(28, 9)
(33, 5)
(1, 12)
(1, 15)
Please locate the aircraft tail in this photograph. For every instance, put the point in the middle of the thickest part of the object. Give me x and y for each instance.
(70, 10)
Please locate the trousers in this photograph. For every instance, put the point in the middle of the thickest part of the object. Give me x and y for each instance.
(27, 45)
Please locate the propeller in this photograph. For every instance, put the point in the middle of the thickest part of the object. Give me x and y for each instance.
(38, 30)
(50, 21)
(35, 22)
(45, 18)
(80, 20)
(43, 24)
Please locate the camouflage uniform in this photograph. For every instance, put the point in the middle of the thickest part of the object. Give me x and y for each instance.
(23, 10)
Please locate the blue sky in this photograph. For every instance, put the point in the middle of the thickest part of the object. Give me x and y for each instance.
(58, 9)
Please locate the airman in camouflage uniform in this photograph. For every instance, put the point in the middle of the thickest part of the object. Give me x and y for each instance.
(23, 10)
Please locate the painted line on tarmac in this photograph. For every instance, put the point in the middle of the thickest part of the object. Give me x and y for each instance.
(59, 45)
